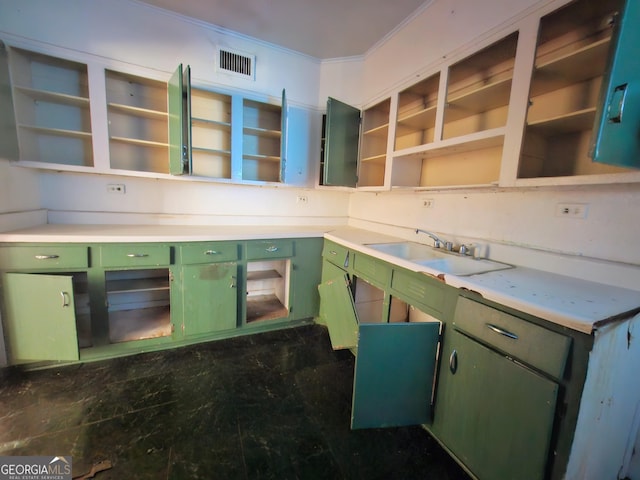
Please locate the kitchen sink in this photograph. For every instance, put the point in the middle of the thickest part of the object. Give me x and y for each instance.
(438, 260)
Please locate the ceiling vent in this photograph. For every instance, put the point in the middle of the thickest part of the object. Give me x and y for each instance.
(235, 63)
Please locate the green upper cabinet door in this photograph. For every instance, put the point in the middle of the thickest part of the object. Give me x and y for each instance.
(617, 134)
(41, 319)
(179, 106)
(283, 138)
(341, 144)
(8, 133)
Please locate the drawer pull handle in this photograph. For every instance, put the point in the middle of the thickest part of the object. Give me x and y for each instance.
(333, 252)
(137, 255)
(233, 282)
(453, 362)
(502, 331)
(212, 252)
(272, 249)
(65, 299)
(47, 257)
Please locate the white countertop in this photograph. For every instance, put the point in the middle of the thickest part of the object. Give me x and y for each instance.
(156, 233)
(575, 303)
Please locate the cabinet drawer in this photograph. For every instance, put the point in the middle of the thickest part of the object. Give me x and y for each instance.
(371, 269)
(518, 338)
(421, 289)
(45, 256)
(264, 249)
(208, 253)
(134, 255)
(336, 254)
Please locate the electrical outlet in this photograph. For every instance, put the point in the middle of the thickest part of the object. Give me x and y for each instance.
(572, 210)
(118, 188)
(302, 199)
(427, 202)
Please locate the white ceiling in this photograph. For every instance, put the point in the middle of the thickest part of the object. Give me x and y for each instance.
(319, 28)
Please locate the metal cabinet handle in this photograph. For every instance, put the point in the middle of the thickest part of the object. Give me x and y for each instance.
(502, 331)
(65, 299)
(333, 252)
(233, 282)
(46, 257)
(453, 362)
(212, 252)
(137, 255)
(272, 248)
(616, 104)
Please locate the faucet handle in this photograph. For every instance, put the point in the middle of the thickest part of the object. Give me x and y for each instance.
(465, 249)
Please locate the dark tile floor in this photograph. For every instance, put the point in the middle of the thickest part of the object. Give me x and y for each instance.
(274, 405)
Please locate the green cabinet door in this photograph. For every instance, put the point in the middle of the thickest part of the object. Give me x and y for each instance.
(209, 297)
(495, 415)
(617, 129)
(394, 374)
(41, 321)
(341, 144)
(283, 138)
(8, 132)
(179, 106)
(338, 311)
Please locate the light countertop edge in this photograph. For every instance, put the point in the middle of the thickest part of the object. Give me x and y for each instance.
(574, 303)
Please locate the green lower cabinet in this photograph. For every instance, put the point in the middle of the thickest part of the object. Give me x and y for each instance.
(495, 415)
(338, 311)
(41, 318)
(209, 298)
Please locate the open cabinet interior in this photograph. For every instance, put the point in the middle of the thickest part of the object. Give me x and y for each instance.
(373, 145)
(138, 304)
(571, 57)
(261, 141)
(267, 290)
(51, 101)
(138, 123)
(210, 134)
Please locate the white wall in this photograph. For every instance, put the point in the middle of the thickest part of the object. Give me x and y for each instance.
(135, 37)
(520, 217)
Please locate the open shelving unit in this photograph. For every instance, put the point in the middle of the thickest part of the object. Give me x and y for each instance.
(416, 119)
(210, 133)
(51, 103)
(138, 123)
(373, 145)
(267, 290)
(571, 58)
(261, 141)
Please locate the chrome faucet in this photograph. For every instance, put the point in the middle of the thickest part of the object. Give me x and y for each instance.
(437, 243)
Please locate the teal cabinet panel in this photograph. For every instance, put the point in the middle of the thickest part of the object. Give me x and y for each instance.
(617, 129)
(336, 254)
(339, 312)
(283, 138)
(209, 298)
(8, 131)
(394, 374)
(179, 121)
(433, 296)
(41, 321)
(495, 415)
(341, 144)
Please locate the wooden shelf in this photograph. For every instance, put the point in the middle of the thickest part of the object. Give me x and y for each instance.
(379, 131)
(214, 151)
(270, 158)
(137, 285)
(571, 122)
(482, 99)
(375, 158)
(60, 132)
(139, 142)
(258, 275)
(138, 111)
(573, 67)
(54, 97)
(475, 141)
(210, 123)
(420, 120)
(262, 132)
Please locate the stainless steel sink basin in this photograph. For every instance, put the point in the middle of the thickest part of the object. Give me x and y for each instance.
(438, 260)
